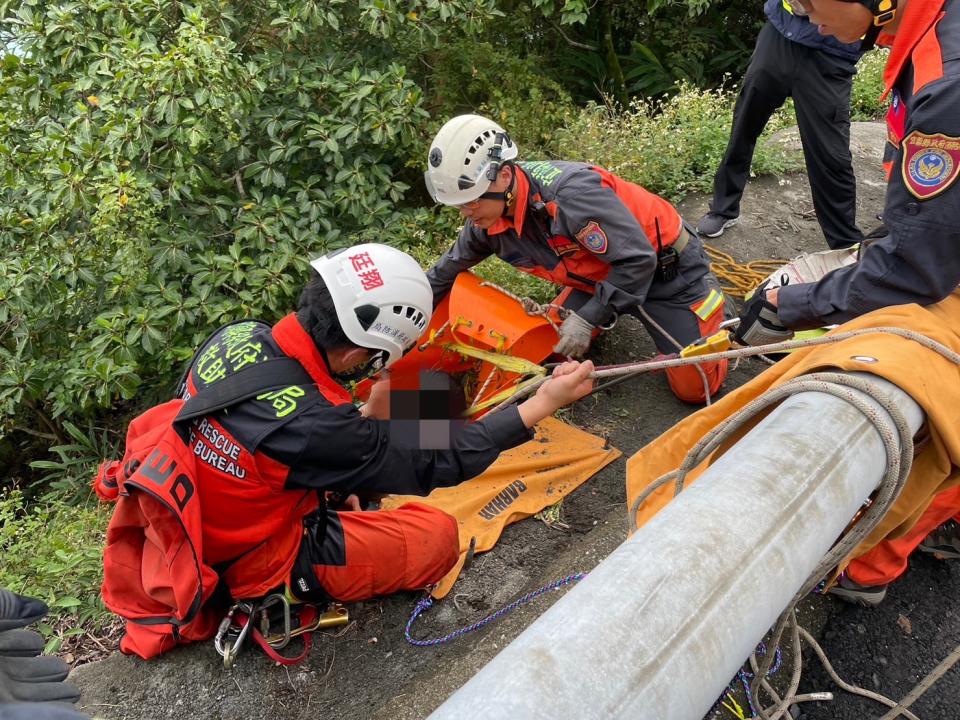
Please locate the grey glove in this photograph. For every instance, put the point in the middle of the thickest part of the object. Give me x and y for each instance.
(759, 322)
(575, 336)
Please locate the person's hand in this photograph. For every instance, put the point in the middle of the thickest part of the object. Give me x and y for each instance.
(17, 611)
(575, 336)
(378, 404)
(759, 322)
(569, 382)
(25, 675)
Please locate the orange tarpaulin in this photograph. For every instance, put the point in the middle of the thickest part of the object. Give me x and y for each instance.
(522, 482)
(931, 379)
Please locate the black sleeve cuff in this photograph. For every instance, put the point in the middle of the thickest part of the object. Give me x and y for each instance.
(506, 429)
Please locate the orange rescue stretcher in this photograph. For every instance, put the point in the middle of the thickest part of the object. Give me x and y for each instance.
(485, 338)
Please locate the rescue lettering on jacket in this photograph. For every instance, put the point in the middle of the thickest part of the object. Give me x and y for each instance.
(502, 500)
(216, 449)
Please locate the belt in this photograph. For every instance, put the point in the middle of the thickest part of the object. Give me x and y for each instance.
(682, 239)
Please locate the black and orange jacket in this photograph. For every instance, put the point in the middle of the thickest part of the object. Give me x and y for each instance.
(919, 261)
(264, 463)
(575, 225)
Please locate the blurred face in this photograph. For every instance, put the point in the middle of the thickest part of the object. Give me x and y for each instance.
(846, 21)
(485, 212)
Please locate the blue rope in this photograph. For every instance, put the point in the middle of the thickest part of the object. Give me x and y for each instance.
(746, 676)
(426, 603)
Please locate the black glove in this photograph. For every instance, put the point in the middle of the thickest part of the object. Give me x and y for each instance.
(25, 675)
(20, 643)
(759, 322)
(17, 611)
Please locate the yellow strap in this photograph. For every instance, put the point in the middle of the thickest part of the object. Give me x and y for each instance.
(518, 365)
(709, 306)
(501, 396)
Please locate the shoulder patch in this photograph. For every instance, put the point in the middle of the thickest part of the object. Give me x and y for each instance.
(931, 163)
(593, 238)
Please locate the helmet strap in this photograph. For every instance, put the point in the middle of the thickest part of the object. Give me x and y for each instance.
(371, 367)
(508, 196)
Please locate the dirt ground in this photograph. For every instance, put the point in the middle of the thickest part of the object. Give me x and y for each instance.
(369, 671)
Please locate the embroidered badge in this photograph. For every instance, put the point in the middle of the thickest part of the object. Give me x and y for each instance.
(930, 163)
(593, 238)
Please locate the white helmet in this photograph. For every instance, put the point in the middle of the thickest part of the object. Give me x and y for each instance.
(465, 157)
(382, 296)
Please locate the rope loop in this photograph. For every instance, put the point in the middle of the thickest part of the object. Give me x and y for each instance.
(426, 603)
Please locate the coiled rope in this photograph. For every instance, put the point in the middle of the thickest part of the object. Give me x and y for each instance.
(898, 445)
(738, 279)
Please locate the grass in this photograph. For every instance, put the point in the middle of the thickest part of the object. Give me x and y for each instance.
(54, 551)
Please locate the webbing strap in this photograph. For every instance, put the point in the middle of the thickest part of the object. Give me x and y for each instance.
(242, 385)
(308, 615)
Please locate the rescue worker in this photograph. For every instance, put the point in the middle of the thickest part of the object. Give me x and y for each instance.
(919, 260)
(616, 247)
(792, 59)
(268, 466)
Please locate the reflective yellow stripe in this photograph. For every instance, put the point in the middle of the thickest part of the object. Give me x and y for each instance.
(787, 6)
(709, 306)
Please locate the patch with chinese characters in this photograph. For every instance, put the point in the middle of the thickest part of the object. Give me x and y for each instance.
(930, 163)
(593, 238)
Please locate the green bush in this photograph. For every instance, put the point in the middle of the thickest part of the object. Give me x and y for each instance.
(476, 76)
(168, 167)
(868, 86)
(671, 147)
(54, 552)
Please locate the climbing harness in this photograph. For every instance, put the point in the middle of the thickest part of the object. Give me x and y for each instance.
(899, 446)
(254, 619)
(426, 603)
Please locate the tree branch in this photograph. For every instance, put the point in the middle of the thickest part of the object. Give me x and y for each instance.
(38, 411)
(570, 41)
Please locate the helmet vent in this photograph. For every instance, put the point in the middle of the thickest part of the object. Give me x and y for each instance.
(366, 314)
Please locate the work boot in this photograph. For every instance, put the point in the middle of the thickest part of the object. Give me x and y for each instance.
(713, 225)
(865, 595)
(944, 542)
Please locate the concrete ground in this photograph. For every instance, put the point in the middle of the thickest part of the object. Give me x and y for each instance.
(369, 671)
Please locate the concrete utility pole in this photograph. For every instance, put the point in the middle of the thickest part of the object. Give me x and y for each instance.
(660, 627)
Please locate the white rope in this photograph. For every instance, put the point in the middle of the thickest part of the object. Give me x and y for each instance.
(898, 444)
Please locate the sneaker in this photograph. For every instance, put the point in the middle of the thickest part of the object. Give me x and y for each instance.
(712, 225)
(944, 542)
(865, 595)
